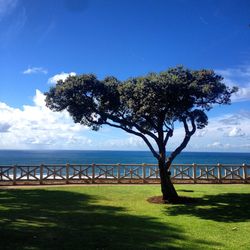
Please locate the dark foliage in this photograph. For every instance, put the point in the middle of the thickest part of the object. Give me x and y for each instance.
(147, 107)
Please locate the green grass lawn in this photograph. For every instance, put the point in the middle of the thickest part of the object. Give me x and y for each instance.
(119, 217)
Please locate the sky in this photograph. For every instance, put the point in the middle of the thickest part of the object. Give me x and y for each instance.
(43, 41)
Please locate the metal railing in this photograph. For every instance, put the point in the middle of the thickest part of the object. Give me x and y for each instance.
(121, 173)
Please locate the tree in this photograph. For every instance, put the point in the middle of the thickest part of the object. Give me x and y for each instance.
(146, 106)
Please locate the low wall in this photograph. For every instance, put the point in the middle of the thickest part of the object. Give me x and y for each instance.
(121, 173)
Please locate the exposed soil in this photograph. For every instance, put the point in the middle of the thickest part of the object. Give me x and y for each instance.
(181, 200)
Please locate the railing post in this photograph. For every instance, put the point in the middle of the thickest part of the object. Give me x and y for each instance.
(41, 174)
(14, 174)
(118, 172)
(219, 172)
(67, 173)
(93, 173)
(28, 175)
(194, 172)
(244, 172)
(144, 172)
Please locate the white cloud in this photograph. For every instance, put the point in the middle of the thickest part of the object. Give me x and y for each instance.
(237, 72)
(243, 94)
(36, 126)
(235, 132)
(128, 142)
(35, 70)
(201, 132)
(215, 145)
(239, 76)
(227, 147)
(62, 76)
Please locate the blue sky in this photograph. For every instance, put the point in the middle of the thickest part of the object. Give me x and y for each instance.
(41, 41)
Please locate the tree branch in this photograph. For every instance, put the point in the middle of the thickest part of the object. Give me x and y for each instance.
(167, 127)
(131, 132)
(168, 135)
(193, 126)
(185, 140)
(125, 122)
(184, 120)
(137, 134)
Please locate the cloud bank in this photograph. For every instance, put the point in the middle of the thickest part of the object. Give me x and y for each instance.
(230, 132)
(239, 76)
(38, 127)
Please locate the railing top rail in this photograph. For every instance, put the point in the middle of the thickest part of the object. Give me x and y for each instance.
(211, 165)
(125, 165)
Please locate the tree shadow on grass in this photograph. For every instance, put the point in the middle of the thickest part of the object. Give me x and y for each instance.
(229, 207)
(186, 190)
(53, 219)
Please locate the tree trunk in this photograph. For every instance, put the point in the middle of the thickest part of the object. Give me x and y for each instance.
(167, 188)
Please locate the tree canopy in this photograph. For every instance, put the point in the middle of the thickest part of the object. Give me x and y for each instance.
(143, 105)
(146, 106)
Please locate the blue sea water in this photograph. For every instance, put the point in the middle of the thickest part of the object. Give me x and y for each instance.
(87, 157)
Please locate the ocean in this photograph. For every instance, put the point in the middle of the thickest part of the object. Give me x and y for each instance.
(9, 157)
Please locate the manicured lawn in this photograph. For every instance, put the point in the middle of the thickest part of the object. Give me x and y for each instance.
(119, 217)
